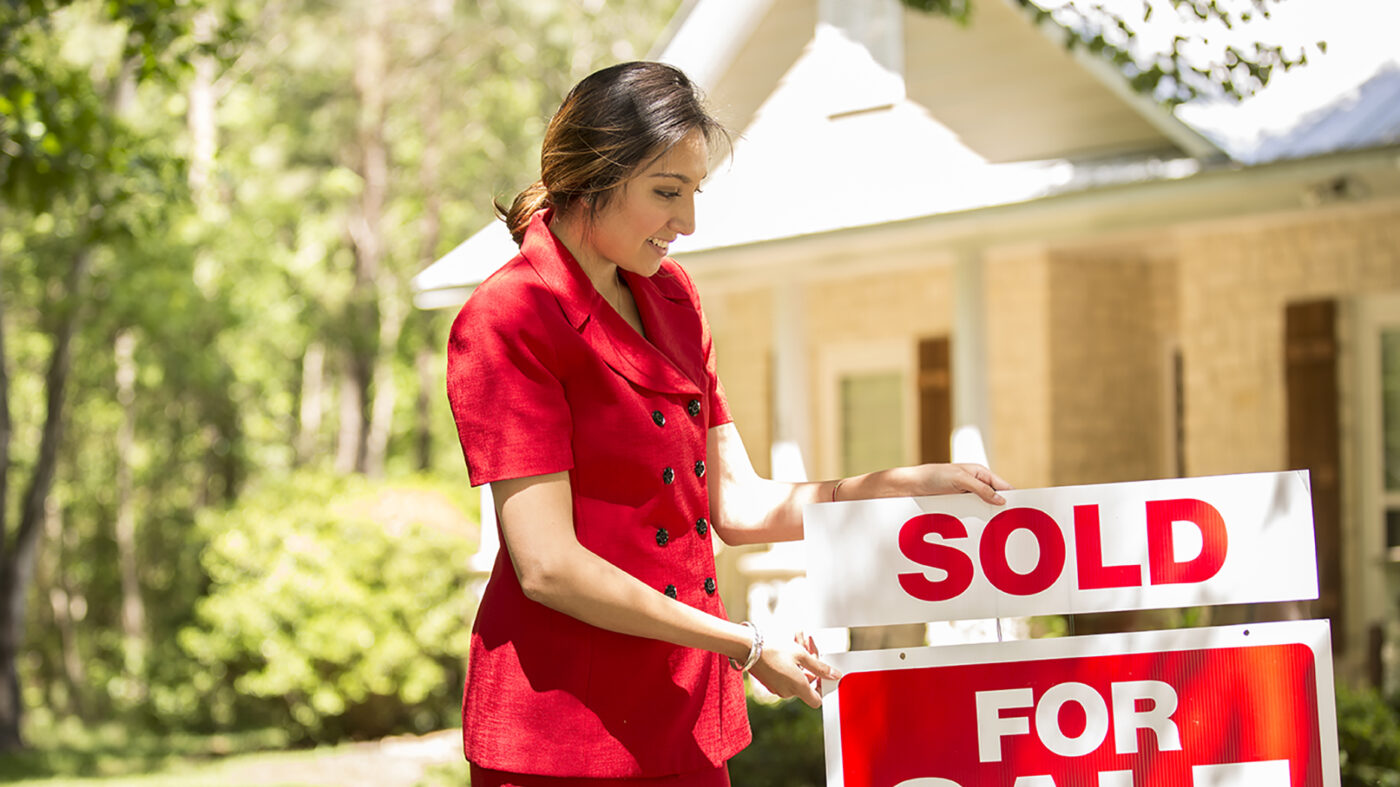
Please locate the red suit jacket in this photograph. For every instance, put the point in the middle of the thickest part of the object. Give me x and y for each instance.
(545, 376)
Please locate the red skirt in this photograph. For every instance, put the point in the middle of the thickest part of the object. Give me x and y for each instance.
(485, 777)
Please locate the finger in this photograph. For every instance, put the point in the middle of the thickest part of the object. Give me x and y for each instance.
(986, 476)
(969, 482)
(818, 667)
(998, 482)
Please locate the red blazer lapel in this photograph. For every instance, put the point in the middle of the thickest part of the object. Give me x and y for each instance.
(605, 331)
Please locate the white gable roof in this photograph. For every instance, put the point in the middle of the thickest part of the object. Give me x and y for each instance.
(991, 114)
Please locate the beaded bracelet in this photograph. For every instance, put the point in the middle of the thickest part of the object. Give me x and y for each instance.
(755, 650)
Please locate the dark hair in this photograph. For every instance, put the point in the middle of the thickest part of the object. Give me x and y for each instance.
(612, 122)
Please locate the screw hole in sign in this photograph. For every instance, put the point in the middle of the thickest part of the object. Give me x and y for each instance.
(1246, 632)
(901, 656)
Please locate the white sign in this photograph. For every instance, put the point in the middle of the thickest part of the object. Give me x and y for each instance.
(1150, 544)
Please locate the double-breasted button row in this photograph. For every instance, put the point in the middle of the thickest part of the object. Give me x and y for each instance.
(709, 586)
(700, 469)
(702, 528)
(692, 407)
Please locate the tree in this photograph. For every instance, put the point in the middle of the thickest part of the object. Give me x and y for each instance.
(77, 170)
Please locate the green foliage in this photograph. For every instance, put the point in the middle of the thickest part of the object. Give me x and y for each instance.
(787, 748)
(227, 282)
(1368, 731)
(336, 607)
(1172, 77)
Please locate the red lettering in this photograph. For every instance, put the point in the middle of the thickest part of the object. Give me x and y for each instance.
(913, 542)
(1161, 549)
(1088, 551)
(1049, 563)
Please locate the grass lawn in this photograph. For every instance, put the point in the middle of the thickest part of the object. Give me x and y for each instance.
(110, 754)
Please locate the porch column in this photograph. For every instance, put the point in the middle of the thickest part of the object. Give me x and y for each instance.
(971, 411)
(791, 449)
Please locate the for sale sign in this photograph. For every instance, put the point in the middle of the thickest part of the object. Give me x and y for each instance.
(1237, 706)
(1152, 544)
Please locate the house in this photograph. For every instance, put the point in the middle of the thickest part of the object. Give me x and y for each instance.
(934, 240)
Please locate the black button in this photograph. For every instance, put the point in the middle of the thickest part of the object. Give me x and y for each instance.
(710, 585)
(662, 537)
(700, 469)
(693, 407)
(671, 591)
(658, 417)
(701, 526)
(668, 475)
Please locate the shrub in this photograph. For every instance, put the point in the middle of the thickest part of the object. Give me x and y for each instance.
(337, 608)
(1368, 730)
(787, 748)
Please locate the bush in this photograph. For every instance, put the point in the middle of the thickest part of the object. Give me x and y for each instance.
(1368, 730)
(787, 749)
(337, 608)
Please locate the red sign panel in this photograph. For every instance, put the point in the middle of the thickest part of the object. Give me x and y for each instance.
(1243, 716)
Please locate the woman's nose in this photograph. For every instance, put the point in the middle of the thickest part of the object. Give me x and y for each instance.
(683, 222)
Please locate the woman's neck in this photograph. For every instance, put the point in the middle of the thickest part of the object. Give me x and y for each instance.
(570, 229)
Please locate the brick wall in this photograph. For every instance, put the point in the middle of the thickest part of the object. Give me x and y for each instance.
(1110, 367)
(1017, 283)
(1235, 282)
(741, 323)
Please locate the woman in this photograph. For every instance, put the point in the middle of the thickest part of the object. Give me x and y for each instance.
(582, 378)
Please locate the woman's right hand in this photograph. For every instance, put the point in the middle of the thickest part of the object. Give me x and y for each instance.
(793, 670)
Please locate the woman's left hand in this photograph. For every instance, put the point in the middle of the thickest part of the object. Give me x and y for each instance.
(951, 479)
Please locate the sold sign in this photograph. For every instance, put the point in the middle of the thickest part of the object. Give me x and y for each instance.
(1151, 544)
(1234, 706)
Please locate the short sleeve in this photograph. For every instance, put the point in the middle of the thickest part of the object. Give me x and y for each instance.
(507, 398)
(719, 405)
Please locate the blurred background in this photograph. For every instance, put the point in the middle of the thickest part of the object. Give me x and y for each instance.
(1082, 242)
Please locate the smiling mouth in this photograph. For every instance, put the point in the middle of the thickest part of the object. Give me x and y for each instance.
(663, 245)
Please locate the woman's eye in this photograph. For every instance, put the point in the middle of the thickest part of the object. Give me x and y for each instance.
(668, 194)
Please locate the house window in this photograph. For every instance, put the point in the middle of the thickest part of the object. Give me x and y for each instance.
(872, 422)
(868, 406)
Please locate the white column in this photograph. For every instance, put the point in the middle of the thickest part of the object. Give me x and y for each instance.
(791, 450)
(971, 411)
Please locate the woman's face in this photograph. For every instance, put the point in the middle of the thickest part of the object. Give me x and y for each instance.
(634, 231)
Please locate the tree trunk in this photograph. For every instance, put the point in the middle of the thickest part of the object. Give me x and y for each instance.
(199, 119)
(67, 607)
(430, 233)
(392, 313)
(352, 421)
(17, 569)
(366, 234)
(4, 437)
(313, 364)
(134, 643)
(427, 385)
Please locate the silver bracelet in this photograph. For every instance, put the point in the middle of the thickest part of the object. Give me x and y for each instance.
(755, 650)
